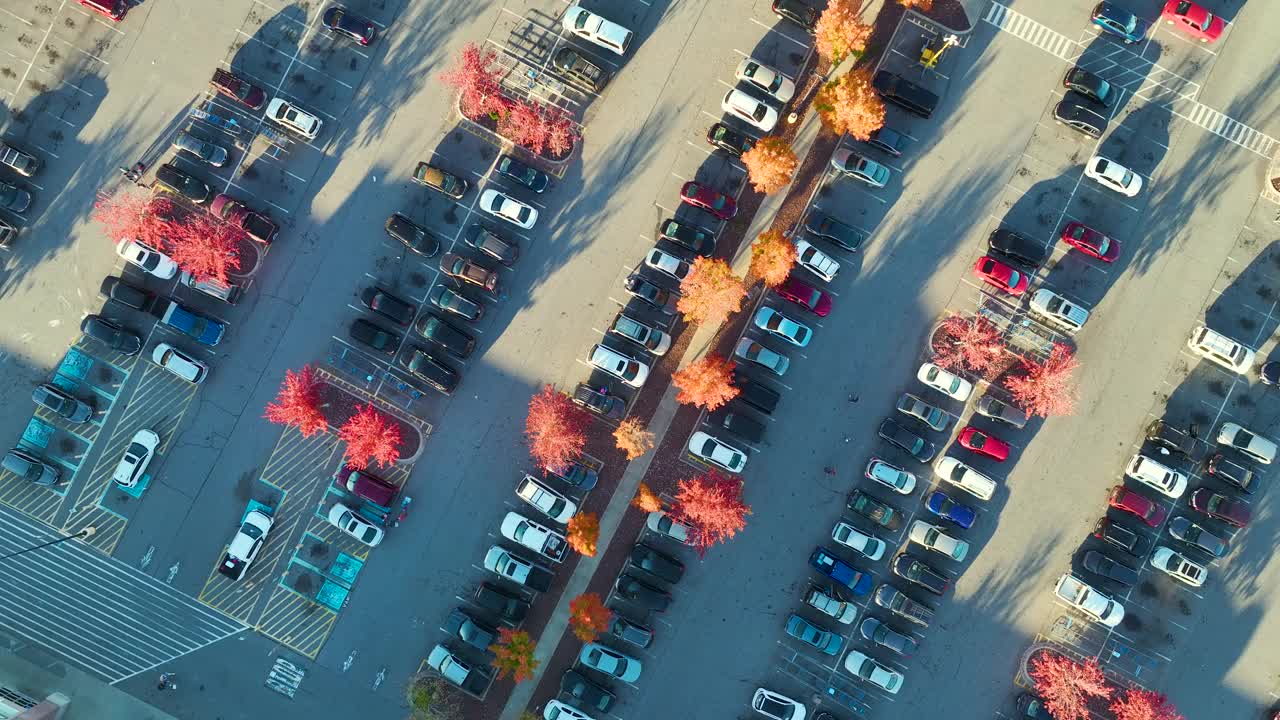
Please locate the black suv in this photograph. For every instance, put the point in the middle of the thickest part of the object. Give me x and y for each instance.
(437, 331)
(175, 180)
(501, 603)
(1120, 536)
(111, 334)
(1088, 85)
(1173, 438)
(1077, 112)
(806, 16)
(913, 569)
(642, 594)
(600, 403)
(738, 422)
(843, 236)
(730, 140)
(113, 288)
(1105, 567)
(1019, 248)
(413, 236)
(372, 336)
(433, 371)
(577, 69)
(656, 563)
(905, 94)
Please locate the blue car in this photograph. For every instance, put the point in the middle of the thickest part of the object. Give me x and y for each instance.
(1119, 22)
(940, 504)
(204, 330)
(826, 562)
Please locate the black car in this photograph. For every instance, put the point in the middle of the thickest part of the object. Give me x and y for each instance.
(488, 242)
(461, 625)
(189, 187)
(894, 434)
(913, 569)
(1088, 85)
(1017, 247)
(659, 299)
(366, 333)
(413, 236)
(509, 608)
(437, 331)
(389, 306)
(338, 20)
(888, 140)
(658, 564)
(1032, 707)
(574, 66)
(1238, 475)
(736, 420)
(14, 198)
(806, 16)
(1080, 114)
(585, 694)
(873, 509)
(699, 240)
(31, 467)
(111, 334)
(1105, 567)
(1269, 373)
(843, 236)
(641, 593)
(1121, 536)
(452, 301)
(729, 140)
(114, 288)
(520, 172)
(1174, 439)
(755, 393)
(62, 403)
(577, 474)
(1196, 536)
(433, 371)
(600, 401)
(630, 631)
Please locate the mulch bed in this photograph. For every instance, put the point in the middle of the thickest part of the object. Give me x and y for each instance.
(339, 406)
(249, 255)
(488, 123)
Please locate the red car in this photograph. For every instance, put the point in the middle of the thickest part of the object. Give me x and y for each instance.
(1217, 505)
(1123, 498)
(716, 203)
(1194, 20)
(994, 272)
(114, 9)
(1091, 242)
(254, 224)
(806, 296)
(984, 444)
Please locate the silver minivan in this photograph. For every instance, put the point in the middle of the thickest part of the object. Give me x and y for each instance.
(229, 293)
(1058, 311)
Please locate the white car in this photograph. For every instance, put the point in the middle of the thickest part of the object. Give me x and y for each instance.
(542, 540)
(667, 264)
(1247, 442)
(936, 539)
(891, 476)
(137, 456)
(815, 261)
(750, 109)
(179, 363)
(624, 367)
(965, 477)
(779, 325)
(549, 502)
(1111, 174)
(861, 666)
(1218, 348)
(1083, 597)
(779, 86)
(595, 29)
(662, 523)
(851, 537)
(346, 520)
(1058, 310)
(777, 706)
(149, 259)
(557, 710)
(1168, 482)
(717, 452)
(945, 382)
(610, 662)
(508, 208)
(244, 547)
(1178, 566)
(291, 117)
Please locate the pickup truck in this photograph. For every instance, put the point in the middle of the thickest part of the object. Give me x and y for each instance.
(472, 680)
(20, 162)
(892, 599)
(827, 604)
(255, 224)
(826, 562)
(521, 530)
(517, 569)
(238, 89)
(1084, 598)
(205, 331)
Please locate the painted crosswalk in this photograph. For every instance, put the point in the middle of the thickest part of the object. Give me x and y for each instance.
(1028, 30)
(1226, 128)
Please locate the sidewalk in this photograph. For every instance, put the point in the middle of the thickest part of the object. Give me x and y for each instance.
(84, 697)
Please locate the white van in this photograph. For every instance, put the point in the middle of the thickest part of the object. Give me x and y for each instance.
(1058, 311)
(1218, 348)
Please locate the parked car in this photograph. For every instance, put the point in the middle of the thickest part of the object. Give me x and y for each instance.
(293, 118)
(374, 337)
(1197, 536)
(724, 138)
(629, 631)
(971, 438)
(610, 662)
(663, 301)
(750, 109)
(935, 418)
(546, 542)
(366, 485)
(1248, 442)
(667, 264)
(238, 89)
(1220, 349)
(1238, 475)
(865, 668)
(596, 30)
(755, 393)
(600, 403)
(656, 563)
(888, 140)
(224, 292)
(585, 693)
(640, 333)
(203, 330)
(737, 421)
(965, 477)
(1080, 114)
(112, 334)
(842, 235)
(717, 452)
(441, 181)
(502, 604)
(31, 467)
(1159, 477)
(1088, 84)
(147, 258)
(781, 326)
(469, 271)
(14, 198)
(1173, 438)
(1113, 176)
(504, 206)
(7, 233)
(778, 86)
(432, 370)
(798, 12)
(1083, 597)
(389, 306)
(254, 224)
(624, 367)
(945, 382)
(132, 296)
(412, 235)
(1091, 242)
(663, 524)
(824, 641)
(472, 680)
(815, 261)
(893, 600)
(878, 512)
(754, 352)
(475, 633)
(62, 403)
(869, 546)
(352, 523)
(179, 363)
(875, 631)
(1002, 411)
(557, 709)
(934, 538)
(1001, 276)
(1114, 20)
(1121, 536)
(202, 150)
(171, 178)
(577, 474)
(341, 22)
(861, 168)
(1124, 499)
(707, 198)
(1269, 373)
(890, 475)
(914, 570)
(1109, 569)
(522, 173)
(1032, 708)
(956, 513)
(1194, 20)
(439, 332)
(919, 448)
(1016, 247)
(137, 457)
(19, 161)
(826, 602)
(578, 69)
(641, 594)
(517, 568)
(1058, 311)
(826, 562)
(546, 500)
(1178, 566)
(806, 296)
(454, 302)
(777, 706)
(697, 239)
(1220, 507)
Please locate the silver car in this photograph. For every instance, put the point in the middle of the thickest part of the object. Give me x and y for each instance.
(860, 168)
(30, 467)
(212, 153)
(934, 417)
(61, 403)
(748, 349)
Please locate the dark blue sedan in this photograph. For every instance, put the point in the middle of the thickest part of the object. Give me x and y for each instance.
(825, 562)
(1119, 22)
(940, 504)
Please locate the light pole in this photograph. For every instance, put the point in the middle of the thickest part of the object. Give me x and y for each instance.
(88, 531)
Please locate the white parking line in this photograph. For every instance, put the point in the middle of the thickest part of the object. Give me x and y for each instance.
(776, 31)
(293, 60)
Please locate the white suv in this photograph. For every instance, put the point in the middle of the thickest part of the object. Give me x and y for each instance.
(749, 108)
(1058, 310)
(1218, 348)
(595, 29)
(1170, 483)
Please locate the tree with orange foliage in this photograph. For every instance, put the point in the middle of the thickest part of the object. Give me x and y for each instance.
(1046, 389)
(706, 382)
(840, 31)
(772, 256)
(588, 616)
(1066, 686)
(513, 653)
(921, 5)
(555, 428)
(1139, 704)
(200, 244)
(770, 164)
(370, 435)
(710, 292)
(711, 505)
(584, 531)
(633, 438)
(646, 499)
(849, 105)
(298, 403)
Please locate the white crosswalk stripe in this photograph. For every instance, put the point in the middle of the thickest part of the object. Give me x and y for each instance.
(1024, 28)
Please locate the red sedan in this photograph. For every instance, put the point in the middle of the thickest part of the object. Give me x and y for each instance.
(1217, 505)
(1091, 242)
(716, 203)
(994, 272)
(1123, 498)
(806, 296)
(984, 444)
(1194, 20)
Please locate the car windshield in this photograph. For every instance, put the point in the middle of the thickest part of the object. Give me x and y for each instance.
(1102, 166)
(580, 21)
(760, 111)
(148, 260)
(1127, 178)
(368, 533)
(1014, 278)
(250, 531)
(1103, 245)
(135, 452)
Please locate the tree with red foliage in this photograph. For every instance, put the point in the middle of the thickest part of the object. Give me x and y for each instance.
(555, 428)
(298, 403)
(588, 616)
(1045, 389)
(369, 435)
(1067, 686)
(1139, 704)
(849, 105)
(646, 499)
(537, 127)
(131, 214)
(840, 31)
(706, 382)
(477, 82)
(513, 653)
(711, 505)
(205, 247)
(770, 164)
(710, 292)
(969, 343)
(562, 133)
(584, 531)
(772, 256)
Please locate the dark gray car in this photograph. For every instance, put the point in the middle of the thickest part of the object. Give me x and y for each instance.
(212, 153)
(1078, 113)
(1197, 537)
(1109, 568)
(30, 467)
(658, 564)
(112, 334)
(62, 403)
(1003, 412)
(478, 635)
(881, 634)
(629, 631)
(895, 434)
(843, 236)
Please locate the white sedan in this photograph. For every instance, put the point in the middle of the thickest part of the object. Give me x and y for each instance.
(1247, 442)
(965, 477)
(767, 79)
(292, 117)
(245, 545)
(749, 108)
(346, 520)
(717, 452)
(667, 264)
(779, 325)
(891, 476)
(851, 537)
(624, 367)
(558, 710)
(934, 538)
(777, 706)
(863, 667)
(1111, 174)
(815, 261)
(137, 456)
(945, 382)
(149, 259)
(508, 208)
